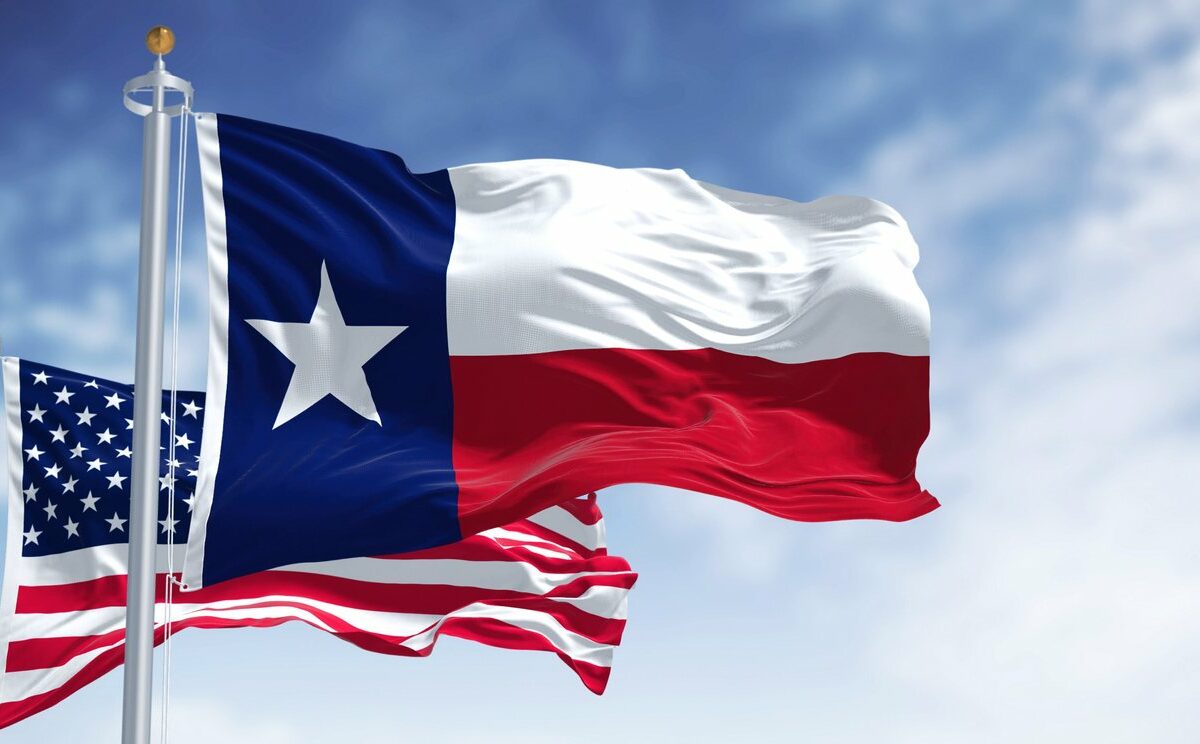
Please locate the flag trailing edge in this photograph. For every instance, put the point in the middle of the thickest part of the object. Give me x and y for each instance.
(546, 583)
(397, 360)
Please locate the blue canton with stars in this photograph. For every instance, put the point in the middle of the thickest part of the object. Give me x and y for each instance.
(76, 448)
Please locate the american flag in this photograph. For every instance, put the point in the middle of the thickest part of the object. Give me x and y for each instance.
(543, 583)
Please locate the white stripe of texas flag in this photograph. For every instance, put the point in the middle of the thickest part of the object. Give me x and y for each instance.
(536, 267)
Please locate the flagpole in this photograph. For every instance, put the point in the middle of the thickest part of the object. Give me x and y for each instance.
(152, 263)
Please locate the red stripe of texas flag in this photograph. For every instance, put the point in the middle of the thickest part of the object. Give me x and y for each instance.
(816, 441)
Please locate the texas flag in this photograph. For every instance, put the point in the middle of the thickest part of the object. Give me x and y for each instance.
(397, 360)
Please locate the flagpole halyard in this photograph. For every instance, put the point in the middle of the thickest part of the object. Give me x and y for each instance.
(156, 157)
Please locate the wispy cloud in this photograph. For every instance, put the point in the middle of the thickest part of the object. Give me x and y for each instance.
(1058, 594)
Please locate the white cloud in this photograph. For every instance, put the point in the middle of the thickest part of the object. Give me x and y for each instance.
(94, 322)
(1067, 585)
(1133, 30)
(741, 544)
(1055, 596)
(70, 222)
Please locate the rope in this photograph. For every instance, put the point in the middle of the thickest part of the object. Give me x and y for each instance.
(169, 592)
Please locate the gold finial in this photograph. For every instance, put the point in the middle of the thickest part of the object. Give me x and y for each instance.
(160, 40)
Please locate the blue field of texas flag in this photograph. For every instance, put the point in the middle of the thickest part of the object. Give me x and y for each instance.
(398, 360)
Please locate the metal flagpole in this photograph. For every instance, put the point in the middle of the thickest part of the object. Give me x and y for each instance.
(147, 407)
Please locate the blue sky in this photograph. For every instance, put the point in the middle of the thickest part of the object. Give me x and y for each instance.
(1046, 157)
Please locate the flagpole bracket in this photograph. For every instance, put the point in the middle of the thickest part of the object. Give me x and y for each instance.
(158, 83)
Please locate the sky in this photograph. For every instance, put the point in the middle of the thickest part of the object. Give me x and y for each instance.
(1045, 156)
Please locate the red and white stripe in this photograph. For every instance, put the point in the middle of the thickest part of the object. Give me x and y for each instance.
(545, 583)
(611, 325)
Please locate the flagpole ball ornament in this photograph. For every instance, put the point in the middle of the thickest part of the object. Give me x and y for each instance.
(160, 40)
(158, 84)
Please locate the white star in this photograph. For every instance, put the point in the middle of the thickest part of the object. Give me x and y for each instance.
(190, 501)
(106, 437)
(86, 417)
(78, 450)
(193, 473)
(128, 424)
(30, 493)
(116, 523)
(168, 525)
(116, 480)
(33, 453)
(95, 464)
(329, 357)
(181, 440)
(51, 511)
(166, 483)
(40, 378)
(53, 471)
(172, 463)
(124, 452)
(89, 502)
(191, 409)
(63, 396)
(165, 418)
(31, 536)
(72, 528)
(114, 401)
(59, 435)
(36, 413)
(91, 384)
(69, 486)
